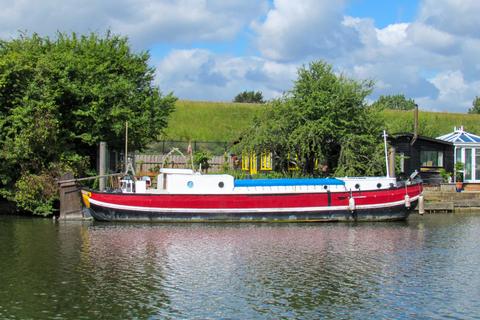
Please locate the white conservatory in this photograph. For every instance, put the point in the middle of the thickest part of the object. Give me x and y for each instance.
(466, 150)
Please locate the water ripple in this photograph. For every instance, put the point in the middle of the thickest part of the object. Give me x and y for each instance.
(424, 268)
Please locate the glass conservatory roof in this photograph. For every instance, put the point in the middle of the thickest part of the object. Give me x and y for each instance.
(460, 136)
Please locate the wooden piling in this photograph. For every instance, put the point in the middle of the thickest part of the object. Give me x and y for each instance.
(70, 199)
(391, 162)
(102, 165)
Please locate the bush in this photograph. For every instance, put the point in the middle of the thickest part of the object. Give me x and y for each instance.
(249, 97)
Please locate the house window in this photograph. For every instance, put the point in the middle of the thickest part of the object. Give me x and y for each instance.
(431, 158)
(477, 164)
(253, 163)
(468, 164)
(266, 161)
(245, 162)
(293, 163)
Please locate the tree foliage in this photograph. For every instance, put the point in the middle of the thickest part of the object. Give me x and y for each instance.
(60, 97)
(201, 160)
(324, 120)
(249, 97)
(475, 109)
(395, 102)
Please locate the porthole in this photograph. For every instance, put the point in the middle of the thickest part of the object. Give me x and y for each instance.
(379, 185)
(221, 184)
(357, 186)
(190, 184)
(325, 187)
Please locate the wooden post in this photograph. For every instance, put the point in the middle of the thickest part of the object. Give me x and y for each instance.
(391, 162)
(102, 165)
(70, 201)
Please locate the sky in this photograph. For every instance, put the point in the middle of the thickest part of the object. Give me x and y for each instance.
(428, 50)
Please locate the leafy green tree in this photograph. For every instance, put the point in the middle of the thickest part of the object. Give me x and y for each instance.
(475, 106)
(249, 97)
(201, 160)
(395, 102)
(323, 119)
(59, 98)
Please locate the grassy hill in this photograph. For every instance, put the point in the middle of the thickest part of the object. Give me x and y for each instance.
(224, 121)
(210, 121)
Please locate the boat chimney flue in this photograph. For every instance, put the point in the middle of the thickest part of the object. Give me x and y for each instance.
(415, 125)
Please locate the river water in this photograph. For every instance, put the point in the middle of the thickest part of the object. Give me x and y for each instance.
(425, 268)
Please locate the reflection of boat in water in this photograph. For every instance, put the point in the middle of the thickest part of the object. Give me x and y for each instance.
(184, 195)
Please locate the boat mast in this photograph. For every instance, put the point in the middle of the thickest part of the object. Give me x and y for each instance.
(386, 152)
(126, 147)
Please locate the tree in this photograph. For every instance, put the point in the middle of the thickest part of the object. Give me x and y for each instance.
(59, 98)
(323, 119)
(201, 160)
(475, 106)
(249, 97)
(395, 102)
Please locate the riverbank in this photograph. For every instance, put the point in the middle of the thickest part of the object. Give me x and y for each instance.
(444, 198)
(7, 207)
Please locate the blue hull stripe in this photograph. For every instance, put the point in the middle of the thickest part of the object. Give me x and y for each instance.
(288, 182)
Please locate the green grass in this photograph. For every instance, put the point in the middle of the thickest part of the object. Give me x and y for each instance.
(431, 124)
(224, 121)
(210, 121)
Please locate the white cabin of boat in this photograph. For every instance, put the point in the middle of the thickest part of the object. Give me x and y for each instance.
(187, 181)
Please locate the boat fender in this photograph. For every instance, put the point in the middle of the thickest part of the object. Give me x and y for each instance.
(351, 204)
(421, 205)
(407, 201)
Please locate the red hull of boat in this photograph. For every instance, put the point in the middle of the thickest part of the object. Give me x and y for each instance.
(386, 204)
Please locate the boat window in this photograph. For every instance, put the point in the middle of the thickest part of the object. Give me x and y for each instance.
(190, 184)
(357, 186)
(220, 184)
(379, 185)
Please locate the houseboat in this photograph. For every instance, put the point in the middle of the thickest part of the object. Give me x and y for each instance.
(183, 195)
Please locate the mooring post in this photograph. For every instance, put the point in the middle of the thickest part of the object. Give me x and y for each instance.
(70, 202)
(102, 164)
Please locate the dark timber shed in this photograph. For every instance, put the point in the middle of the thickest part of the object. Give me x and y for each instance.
(424, 154)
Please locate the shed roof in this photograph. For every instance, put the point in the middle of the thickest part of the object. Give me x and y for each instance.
(410, 136)
(459, 135)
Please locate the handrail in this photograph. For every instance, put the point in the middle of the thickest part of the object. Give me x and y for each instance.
(90, 178)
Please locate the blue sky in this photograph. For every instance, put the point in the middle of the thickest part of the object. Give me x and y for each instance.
(214, 49)
(383, 12)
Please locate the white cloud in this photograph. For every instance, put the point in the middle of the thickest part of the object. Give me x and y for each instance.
(453, 16)
(294, 30)
(392, 35)
(433, 59)
(201, 74)
(455, 93)
(430, 38)
(143, 21)
(416, 59)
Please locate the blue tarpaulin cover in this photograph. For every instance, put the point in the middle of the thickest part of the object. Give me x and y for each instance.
(288, 182)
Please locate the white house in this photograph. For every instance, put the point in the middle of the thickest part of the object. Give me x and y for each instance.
(466, 150)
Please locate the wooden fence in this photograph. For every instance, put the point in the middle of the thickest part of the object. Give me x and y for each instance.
(145, 164)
